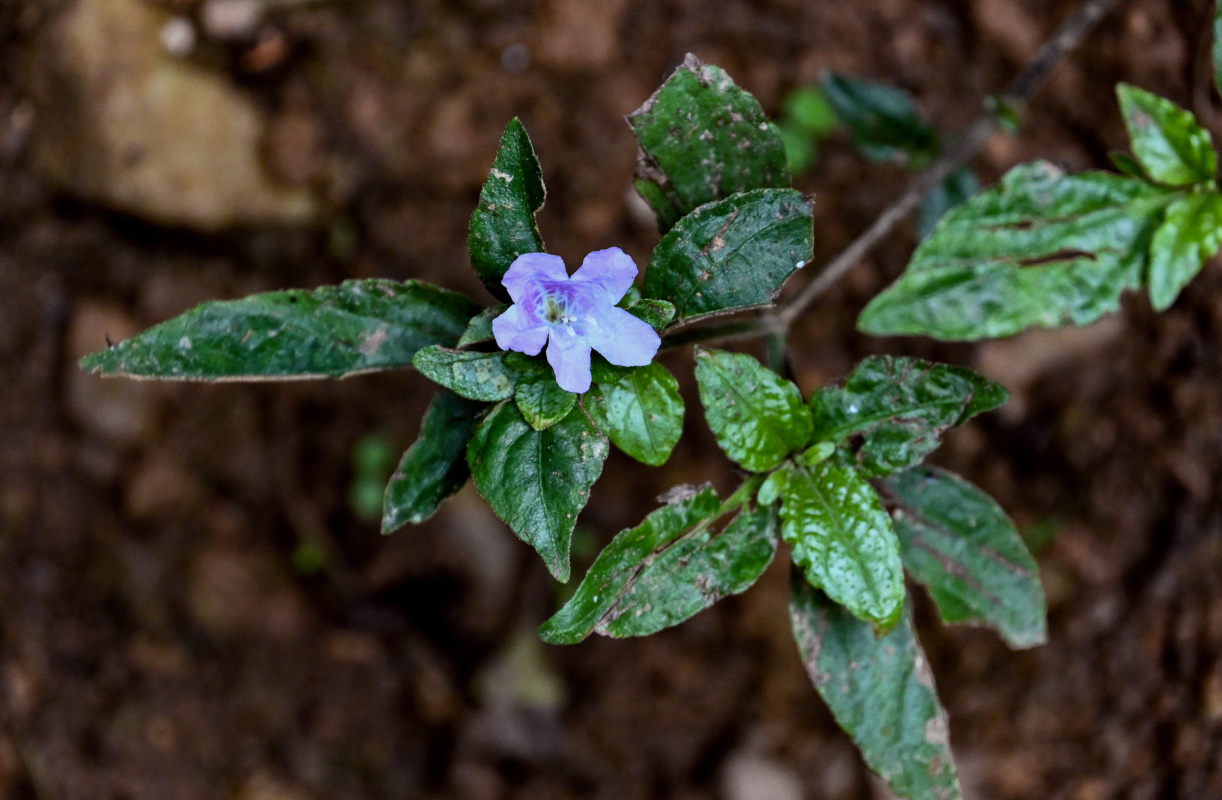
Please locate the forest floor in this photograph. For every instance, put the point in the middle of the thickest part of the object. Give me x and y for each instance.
(191, 606)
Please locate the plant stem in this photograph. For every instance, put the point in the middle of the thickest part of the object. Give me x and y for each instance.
(965, 147)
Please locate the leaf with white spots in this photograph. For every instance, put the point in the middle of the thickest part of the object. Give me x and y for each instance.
(732, 254)
(670, 567)
(842, 539)
(329, 332)
(503, 226)
(702, 138)
(900, 407)
(757, 416)
(881, 691)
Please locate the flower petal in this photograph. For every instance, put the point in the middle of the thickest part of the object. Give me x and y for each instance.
(529, 269)
(612, 270)
(517, 330)
(569, 356)
(622, 339)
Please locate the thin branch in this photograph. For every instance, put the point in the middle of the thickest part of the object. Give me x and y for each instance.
(965, 147)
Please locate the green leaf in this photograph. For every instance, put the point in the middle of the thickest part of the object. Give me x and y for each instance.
(809, 111)
(884, 122)
(902, 406)
(732, 254)
(658, 313)
(807, 118)
(433, 468)
(881, 691)
(503, 226)
(541, 400)
(1127, 165)
(537, 481)
(958, 543)
(772, 487)
(668, 568)
(820, 451)
(642, 412)
(959, 187)
(1167, 140)
(800, 151)
(703, 139)
(1190, 234)
(473, 375)
(479, 329)
(842, 539)
(757, 416)
(1042, 249)
(1217, 48)
(329, 332)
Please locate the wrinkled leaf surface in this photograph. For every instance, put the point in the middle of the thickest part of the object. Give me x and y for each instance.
(702, 138)
(537, 481)
(329, 332)
(666, 570)
(882, 693)
(1041, 249)
(503, 225)
(901, 406)
(641, 411)
(757, 416)
(731, 254)
(958, 543)
(843, 541)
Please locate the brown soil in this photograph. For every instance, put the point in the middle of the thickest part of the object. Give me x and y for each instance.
(158, 641)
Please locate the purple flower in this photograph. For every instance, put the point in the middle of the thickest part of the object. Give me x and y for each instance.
(574, 314)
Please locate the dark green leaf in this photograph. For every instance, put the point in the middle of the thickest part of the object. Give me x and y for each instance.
(503, 226)
(433, 468)
(731, 254)
(842, 539)
(883, 121)
(473, 375)
(479, 329)
(902, 406)
(667, 569)
(537, 481)
(1042, 249)
(703, 139)
(757, 416)
(1190, 234)
(541, 400)
(882, 693)
(1167, 140)
(330, 332)
(642, 412)
(658, 313)
(1217, 48)
(957, 542)
(959, 187)
(1126, 164)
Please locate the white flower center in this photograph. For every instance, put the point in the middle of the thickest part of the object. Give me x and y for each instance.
(556, 312)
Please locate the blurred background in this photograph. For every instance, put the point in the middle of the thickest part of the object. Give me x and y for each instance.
(195, 600)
